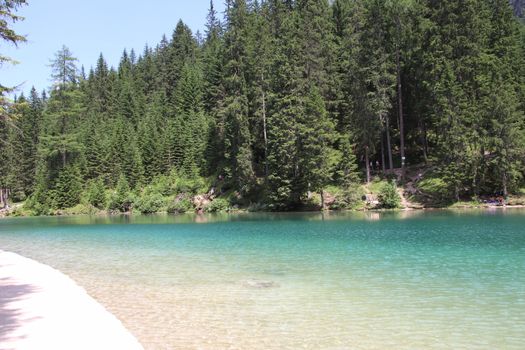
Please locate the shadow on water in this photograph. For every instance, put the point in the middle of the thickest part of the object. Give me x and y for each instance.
(11, 318)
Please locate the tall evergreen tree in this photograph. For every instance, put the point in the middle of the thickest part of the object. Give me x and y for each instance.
(237, 139)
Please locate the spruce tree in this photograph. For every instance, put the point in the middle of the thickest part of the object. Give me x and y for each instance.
(238, 155)
(284, 107)
(67, 188)
(121, 198)
(97, 194)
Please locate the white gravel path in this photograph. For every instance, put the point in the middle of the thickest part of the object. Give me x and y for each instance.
(41, 308)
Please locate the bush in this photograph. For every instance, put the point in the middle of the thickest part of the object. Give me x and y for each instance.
(436, 188)
(180, 206)
(149, 203)
(193, 186)
(96, 195)
(217, 205)
(121, 200)
(257, 207)
(38, 202)
(391, 177)
(161, 184)
(388, 196)
(80, 209)
(351, 197)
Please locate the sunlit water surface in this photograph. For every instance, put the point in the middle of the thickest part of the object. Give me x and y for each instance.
(423, 280)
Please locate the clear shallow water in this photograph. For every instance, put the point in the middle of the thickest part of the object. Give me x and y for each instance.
(437, 280)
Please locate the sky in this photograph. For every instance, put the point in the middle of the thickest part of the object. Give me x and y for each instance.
(89, 28)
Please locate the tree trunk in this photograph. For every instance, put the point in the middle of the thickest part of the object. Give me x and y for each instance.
(322, 200)
(4, 196)
(388, 145)
(423, 139)
(383, 152)
(400, 105)
(265, 135)
(475, 187)
(504, 183)
(367, 160)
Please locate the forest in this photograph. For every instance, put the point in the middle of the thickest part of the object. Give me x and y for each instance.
(279, 104)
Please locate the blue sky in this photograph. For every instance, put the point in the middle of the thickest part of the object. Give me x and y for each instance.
(91, 27)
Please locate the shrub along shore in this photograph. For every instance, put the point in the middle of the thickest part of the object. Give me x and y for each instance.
(176, 194)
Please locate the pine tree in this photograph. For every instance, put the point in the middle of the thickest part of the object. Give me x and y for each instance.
(121, 198)
(181, 50)
(8, 17)
(190, 111)
(67, 188)
(503, 116)
(63, 109)
(237, 142)
(284, 107)
(30, 125)
(454, 53)
(213, 89)
(258, 73)
(97, 194)
(316, 135)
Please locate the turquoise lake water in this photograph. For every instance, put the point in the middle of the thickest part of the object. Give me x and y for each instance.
(411, 280)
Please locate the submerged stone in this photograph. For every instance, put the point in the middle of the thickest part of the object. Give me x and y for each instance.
(260, 284)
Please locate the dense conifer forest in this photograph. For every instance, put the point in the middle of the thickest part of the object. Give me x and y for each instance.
(277, 104)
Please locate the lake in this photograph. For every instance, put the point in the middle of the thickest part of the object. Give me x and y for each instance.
(433, 280)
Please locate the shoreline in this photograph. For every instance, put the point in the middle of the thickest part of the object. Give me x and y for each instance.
(42, 308)
(103, 213)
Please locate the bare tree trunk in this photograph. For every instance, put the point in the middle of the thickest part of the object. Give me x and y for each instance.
(322, 200)
(423, 139)
(383, 152)
(504, 183)
(265, 135)
(367, 160)
(4, 196)
(475, 182)
(425, 135)
(388, 145)
(400, 105)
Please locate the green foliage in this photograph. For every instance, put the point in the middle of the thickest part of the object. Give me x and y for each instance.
(8, 17)
(348, 197)
(217, 205)
(37, 204)
(162, 185)
(184, 185)
(436, 188)
(68, 188)
(121, 200)
(388, 196)
(80, 209)
(180, 206)
(96, 194)
(148, 203)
